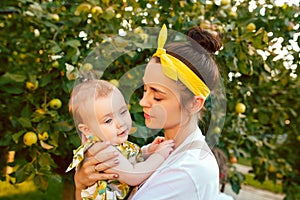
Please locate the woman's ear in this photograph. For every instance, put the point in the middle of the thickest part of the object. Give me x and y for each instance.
(197, 104)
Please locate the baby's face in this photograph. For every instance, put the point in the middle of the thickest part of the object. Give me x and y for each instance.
(111, 119)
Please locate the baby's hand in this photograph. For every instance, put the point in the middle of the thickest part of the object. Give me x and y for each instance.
(158, 140)
(153, 146)
(165, 148)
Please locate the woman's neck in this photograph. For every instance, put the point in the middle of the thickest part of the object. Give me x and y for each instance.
(180, 132)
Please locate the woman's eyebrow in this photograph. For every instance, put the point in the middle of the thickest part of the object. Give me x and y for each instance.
(158, 90)
(155, 89)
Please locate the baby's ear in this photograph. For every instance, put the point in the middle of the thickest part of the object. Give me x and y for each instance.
(84, 129)
(83, 138)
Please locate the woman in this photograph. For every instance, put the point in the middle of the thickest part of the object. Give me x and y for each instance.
(177, 80)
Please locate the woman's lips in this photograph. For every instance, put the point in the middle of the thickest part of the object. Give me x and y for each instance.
(147, 116)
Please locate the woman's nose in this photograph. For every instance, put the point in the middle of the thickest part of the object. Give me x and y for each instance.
(144, 102)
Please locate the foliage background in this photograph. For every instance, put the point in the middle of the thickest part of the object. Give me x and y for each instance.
(38, 39)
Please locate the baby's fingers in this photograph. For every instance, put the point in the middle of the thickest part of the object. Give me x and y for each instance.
(168, 142)
(158, 140)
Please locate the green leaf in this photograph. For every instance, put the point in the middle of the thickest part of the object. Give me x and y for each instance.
(73, 43)
(56, 178)
(25, 122)
(24, 172)
(263, 118)
(12, 89)
(45, 170)
(75, 140)
(9, 77)
(42, 182)
(245, 68)
(26, 111)
(43, 126)
(50, 25)
(55, 47)
(45, 80)
(36, 117)
(63, 126)
(16, 136)
(44, 159)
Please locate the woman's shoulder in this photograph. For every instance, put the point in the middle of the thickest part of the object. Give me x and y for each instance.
(198, 157)
(195, 161)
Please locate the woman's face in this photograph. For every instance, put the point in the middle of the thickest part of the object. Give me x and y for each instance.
(161, 99)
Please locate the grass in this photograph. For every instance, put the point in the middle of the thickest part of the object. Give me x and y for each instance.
(244, 161)
(266, 185)
(28, 191)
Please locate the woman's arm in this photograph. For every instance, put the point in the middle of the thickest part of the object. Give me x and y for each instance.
(98, 159)
(136, 174)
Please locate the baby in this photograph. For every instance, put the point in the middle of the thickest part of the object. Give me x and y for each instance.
(100, 113)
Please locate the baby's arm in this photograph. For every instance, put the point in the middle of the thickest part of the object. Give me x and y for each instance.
(136, 174)
(147, 150)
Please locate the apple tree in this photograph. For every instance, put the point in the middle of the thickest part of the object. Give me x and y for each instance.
(44, 43)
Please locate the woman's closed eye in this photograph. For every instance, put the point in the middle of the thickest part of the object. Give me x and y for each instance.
(145, 90)
(154, 98)
(123, 111)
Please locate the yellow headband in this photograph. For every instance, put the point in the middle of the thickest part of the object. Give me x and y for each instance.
(175, 69)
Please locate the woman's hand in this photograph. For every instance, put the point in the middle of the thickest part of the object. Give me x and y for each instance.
(100, 157)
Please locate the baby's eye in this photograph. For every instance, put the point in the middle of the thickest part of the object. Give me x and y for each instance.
(157, 99)
(108, 121)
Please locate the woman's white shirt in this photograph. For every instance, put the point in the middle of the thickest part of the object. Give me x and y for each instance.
(191, 174)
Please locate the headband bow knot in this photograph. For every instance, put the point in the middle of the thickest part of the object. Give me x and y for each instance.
(177, 70)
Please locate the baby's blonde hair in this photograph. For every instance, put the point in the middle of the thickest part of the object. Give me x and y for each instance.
(87, 91)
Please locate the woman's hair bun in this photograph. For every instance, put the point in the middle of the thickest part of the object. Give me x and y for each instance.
(210, 42)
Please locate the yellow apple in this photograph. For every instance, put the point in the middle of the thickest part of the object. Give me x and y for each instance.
(55, 104)
(29, 138)
(225, 2)
(84, 7)
(44, 136)
(97, 10)
(114, 82)
(251, 27)
(87, 67)
(240, 108)
(31, 85)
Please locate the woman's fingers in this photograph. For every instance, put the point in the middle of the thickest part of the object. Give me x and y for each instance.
(103, 176)
(91, 171)
(103, 152)
(100, 167)
(97, 147)
(100, 157)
